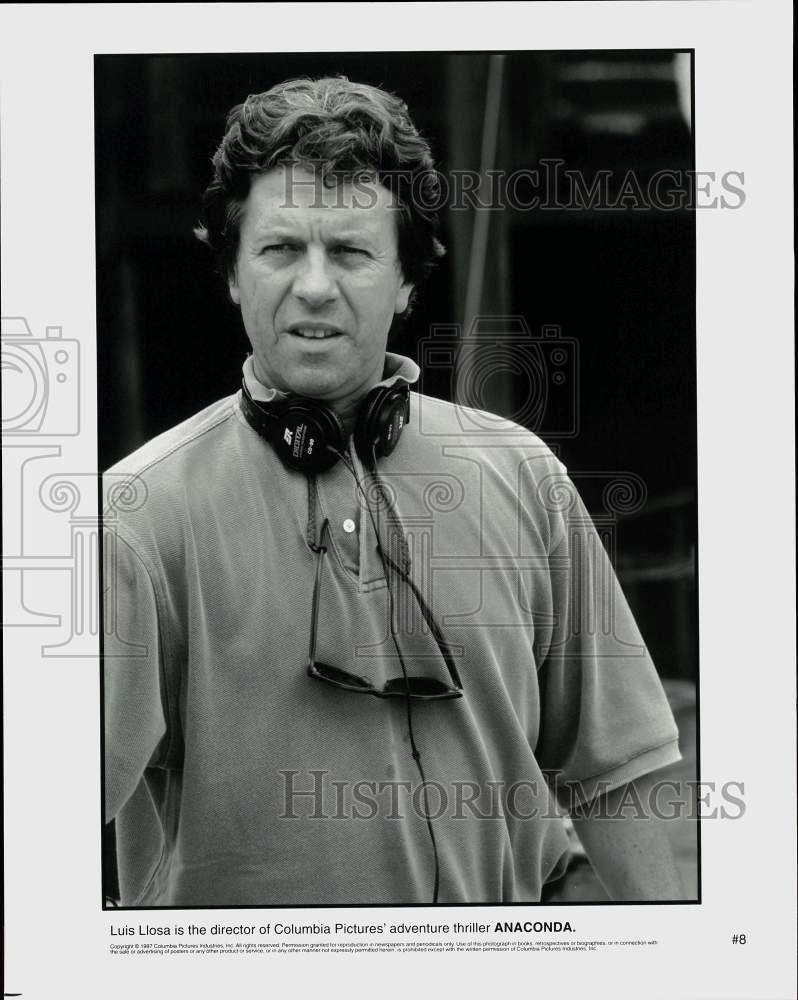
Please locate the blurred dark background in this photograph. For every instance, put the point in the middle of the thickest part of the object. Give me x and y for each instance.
(620, 284)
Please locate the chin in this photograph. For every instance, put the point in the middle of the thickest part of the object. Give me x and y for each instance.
(316, 385)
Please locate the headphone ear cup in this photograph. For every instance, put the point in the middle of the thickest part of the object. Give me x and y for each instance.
(307, 435)
(381, 420)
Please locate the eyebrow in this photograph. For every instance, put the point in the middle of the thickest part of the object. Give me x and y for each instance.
(276, 231)
(351, 236)
(281, 231)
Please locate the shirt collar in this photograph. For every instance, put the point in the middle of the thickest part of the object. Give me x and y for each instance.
(398, 370)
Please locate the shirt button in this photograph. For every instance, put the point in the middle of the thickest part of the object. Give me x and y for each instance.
(349, 526)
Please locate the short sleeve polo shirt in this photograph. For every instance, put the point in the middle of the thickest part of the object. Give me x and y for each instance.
(236, 779)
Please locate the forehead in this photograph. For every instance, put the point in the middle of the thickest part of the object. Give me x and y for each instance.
(292, 196)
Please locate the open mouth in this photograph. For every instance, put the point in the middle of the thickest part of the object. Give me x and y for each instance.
(314, 333)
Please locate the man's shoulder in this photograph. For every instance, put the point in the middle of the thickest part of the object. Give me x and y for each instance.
(201, 431)
(153, 483)
(481, 431)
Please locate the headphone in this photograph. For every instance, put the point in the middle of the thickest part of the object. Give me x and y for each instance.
(310, 436)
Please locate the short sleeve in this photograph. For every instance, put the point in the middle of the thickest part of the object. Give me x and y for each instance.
(135, 717)
(605, 719)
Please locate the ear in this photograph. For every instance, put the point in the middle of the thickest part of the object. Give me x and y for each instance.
(232, 286)
(403, 293)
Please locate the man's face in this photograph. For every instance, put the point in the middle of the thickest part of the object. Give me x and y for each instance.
(318, 280)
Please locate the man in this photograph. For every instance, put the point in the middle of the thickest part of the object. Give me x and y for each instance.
(354, 658)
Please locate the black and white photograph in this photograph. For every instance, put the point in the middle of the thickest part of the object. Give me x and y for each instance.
(371, 642)
(398, 550)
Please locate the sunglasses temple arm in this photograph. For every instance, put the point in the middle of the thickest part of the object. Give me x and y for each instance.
(319, 549)
(433, 625)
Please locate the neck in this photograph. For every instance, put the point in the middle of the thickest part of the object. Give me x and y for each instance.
(396, 368)
(347, 410)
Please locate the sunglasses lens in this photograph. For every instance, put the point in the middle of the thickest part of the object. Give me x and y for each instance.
(414, 687)
(419, 687)
(336, 676)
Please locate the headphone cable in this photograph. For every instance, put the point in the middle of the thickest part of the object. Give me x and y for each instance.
(415, 752)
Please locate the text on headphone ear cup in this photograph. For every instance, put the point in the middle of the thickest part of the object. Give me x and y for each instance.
(381, 420)
(307, 436)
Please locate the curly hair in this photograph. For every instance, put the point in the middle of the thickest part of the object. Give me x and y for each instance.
(350, 129)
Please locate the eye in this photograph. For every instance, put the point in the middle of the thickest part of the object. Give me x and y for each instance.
(346, 250)
(280, 248)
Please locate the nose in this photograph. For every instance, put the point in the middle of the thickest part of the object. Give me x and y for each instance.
(314, 283)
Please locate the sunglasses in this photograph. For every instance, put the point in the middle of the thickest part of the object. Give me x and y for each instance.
(408, 685)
